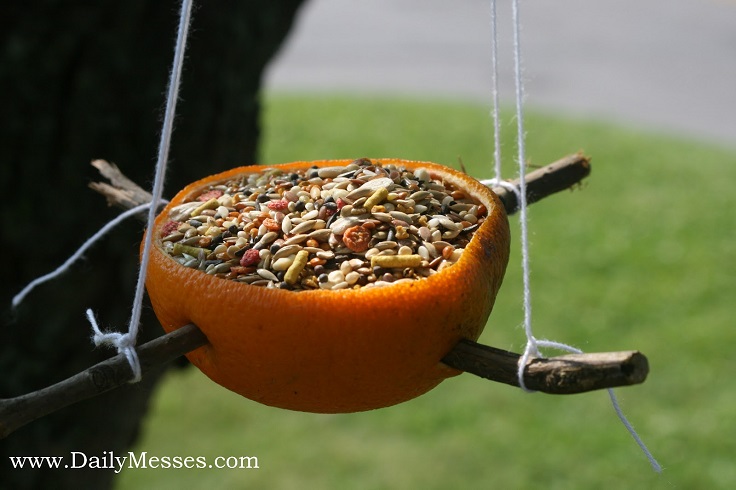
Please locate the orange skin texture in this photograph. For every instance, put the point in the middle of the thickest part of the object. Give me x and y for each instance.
(334, 351)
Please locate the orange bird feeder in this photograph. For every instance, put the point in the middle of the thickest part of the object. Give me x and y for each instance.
(325, 350)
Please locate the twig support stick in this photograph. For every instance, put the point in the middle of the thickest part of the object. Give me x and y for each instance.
(558, 176)
(104, 376)
(568, 374)
(561, 375)
(121, 192)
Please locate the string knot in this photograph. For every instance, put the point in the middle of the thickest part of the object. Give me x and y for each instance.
(530, 350)
(123, 342)
(499, 182)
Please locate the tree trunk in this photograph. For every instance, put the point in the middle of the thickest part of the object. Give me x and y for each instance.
(85, 80)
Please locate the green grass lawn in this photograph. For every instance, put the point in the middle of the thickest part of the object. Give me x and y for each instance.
(643, 256)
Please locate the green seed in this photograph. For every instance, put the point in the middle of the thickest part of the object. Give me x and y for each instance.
(211, 204)
(180, 249)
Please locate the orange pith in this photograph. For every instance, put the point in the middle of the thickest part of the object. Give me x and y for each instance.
(334, 351)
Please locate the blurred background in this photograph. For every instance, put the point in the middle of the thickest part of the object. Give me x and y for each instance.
(641, 256)
(662, 64)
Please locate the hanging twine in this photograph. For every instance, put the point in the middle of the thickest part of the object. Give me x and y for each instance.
(125, 342)
(531, 348)
(63, 268)
(532, 343)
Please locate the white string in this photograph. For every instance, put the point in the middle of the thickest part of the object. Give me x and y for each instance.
(125, 342)
(496, 105)
(531, 348)
(652, 460)
(497, 180)
(616, 407)
(63, 268)
(532, 345)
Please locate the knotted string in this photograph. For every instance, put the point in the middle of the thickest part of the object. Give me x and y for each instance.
(125, 342)
(532, 344)
(531, 349)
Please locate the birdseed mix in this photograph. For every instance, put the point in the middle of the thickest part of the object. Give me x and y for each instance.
(359, 225)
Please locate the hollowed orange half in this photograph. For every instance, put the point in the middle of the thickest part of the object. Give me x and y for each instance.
(334, 351)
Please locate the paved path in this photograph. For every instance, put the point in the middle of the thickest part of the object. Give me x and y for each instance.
(666, 64)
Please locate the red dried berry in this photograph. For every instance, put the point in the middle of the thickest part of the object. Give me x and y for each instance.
(340, 203)
(278, 205)
(213, 194)
(250, 257)
(357, 238)
(169, 228)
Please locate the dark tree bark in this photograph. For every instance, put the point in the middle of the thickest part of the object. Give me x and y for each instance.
(84, 80)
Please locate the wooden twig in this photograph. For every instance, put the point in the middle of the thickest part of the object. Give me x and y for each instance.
(561, 375)
(557, 375)
(558, 176)
(104, 376)
(121, 192)
(563, 174)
